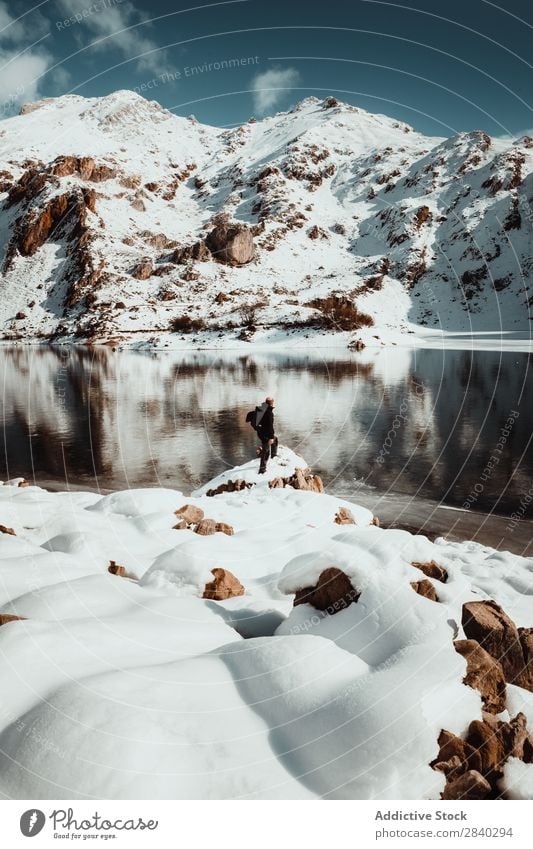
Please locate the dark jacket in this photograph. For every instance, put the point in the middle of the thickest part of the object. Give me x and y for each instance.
(265, 429)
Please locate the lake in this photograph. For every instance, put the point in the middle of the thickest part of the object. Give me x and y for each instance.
(450, 427)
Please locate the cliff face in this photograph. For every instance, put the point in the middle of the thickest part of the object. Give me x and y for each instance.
(120, 218)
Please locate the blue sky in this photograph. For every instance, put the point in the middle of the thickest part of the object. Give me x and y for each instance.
(440, 66)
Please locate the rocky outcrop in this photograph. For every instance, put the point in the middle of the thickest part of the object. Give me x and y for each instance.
(484, 751)
(425, 588)
(301, 479)
(484, 674)
(143, 270)
(486, 622)
(84, 167)
(224, 585)
(344, 517)
(230, 486)
(432, 570)
(333, 592)
(198, 252)
(231, 243)
(64, 214)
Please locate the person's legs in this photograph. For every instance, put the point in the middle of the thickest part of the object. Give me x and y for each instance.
(265, 453)
(274, 448)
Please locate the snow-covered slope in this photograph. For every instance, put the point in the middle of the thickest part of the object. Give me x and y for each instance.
(139, 686)
(109, 203)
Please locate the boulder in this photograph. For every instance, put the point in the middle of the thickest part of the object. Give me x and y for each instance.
(303, 479)
(344, 517)
(425, 588)
(333, 592)
(224, 585)
(488, 744)
(484, 674)
(115, 569)
(469, 785)
(5, 530)
(486, 622)
(180, 526)
(232, 244)
(224, 528)
(276, 483)
(190, 514)
(189, 253)
(9, 617)
(432, 570)
(143, 270)
(206, 527)
(314, 483)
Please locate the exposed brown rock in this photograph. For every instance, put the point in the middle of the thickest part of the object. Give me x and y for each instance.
(375, 521)
(198, 252)
(143, 270)
(5, 530)
(10, 617)
(180, 526)
(86, 167)
(487, 746)
(276, 483)
(425, 588)
(224, 528)
(224, 585)
(432, 570)
(102, 172)
(469, 785)
(316, 232)
(333, 592)
(232, 244)
(486, 622)
(206, 527)
(24, 483)
(115, 569)
(190, 514)
(344, 517)
(64, 166)
(229, 486)
(484, 674)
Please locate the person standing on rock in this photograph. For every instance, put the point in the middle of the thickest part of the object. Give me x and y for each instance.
(264, 424)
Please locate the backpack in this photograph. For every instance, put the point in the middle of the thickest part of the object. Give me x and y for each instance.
(251, 418)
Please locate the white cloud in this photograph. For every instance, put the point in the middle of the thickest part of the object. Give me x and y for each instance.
(269, 87)
(23, 58)
(116, 24)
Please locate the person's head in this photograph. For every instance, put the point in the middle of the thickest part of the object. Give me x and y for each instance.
(270, 401)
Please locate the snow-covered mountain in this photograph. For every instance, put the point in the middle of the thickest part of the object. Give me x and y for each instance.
(121, 220)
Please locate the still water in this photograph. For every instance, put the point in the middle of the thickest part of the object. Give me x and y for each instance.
(450, 426)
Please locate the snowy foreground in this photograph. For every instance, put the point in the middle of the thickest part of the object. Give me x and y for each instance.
(135, 686)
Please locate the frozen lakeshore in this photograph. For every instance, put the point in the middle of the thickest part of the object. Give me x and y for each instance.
(265, 640)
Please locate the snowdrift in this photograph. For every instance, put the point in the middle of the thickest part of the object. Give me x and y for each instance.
(140, 682)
